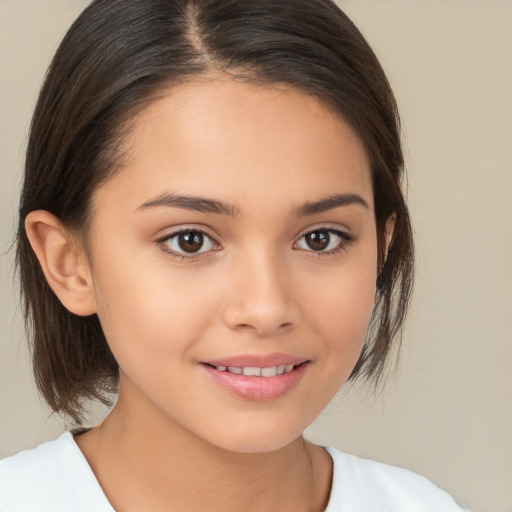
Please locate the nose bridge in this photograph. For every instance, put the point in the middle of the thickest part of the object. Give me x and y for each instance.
(261, 298)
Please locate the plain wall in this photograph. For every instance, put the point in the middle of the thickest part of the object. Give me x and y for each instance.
(447, 413)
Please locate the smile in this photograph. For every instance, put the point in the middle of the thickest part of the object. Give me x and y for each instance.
(257, 383)
(256, 371)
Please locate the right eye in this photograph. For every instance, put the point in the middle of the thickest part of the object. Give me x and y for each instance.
(186, 243)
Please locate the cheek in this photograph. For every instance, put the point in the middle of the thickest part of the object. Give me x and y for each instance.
(342, 308)
(148, 312)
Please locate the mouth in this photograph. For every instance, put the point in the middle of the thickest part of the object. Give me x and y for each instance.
(258, 371)
(247, 379)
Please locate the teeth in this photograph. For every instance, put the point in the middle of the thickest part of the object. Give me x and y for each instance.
(269, 372)
(252, 371)
(256, 371)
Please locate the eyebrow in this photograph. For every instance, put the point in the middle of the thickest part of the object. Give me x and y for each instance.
(329, 203)
(200, 204)
(205, 205)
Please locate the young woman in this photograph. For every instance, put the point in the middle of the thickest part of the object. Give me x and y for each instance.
(211, 226)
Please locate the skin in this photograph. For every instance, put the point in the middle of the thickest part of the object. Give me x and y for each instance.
(256, 288)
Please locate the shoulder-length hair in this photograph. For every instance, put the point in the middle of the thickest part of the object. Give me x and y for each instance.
(118, 56)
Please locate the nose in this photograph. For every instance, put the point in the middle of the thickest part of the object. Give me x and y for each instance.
(261, 297)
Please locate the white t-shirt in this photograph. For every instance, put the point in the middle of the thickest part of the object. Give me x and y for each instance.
(55, 477)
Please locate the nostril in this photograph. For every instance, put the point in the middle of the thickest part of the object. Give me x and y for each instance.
(261, 315)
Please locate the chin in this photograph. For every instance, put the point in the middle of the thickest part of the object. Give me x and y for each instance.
(253, 446)
(257, 438)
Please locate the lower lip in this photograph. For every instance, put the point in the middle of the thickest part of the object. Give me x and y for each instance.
(258, 389)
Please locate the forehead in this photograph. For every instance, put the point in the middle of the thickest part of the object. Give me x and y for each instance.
(240, 140)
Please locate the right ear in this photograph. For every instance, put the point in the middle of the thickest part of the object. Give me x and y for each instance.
(63, 262)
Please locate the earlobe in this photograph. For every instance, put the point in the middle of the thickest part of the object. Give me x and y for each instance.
(62, 261)
(390, 228)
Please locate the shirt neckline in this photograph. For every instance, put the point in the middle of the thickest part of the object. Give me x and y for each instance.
(69, 436)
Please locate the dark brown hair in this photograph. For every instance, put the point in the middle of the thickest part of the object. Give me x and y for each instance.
(117, 56)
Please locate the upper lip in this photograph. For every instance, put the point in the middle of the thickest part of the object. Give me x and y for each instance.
(258, 360)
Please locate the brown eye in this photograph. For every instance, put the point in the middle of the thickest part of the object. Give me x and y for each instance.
(324, 241)
(191, 241)
(318, 240)
(188, 241)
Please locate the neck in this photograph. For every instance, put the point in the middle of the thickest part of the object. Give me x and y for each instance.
(147, 462)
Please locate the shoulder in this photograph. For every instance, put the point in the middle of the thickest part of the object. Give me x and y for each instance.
(362, 485)
(54, 477)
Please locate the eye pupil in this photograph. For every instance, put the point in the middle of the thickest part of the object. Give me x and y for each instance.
(318, 240)
(191, 241)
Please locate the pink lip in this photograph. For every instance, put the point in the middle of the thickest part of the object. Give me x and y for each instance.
(257, 389)
(259, 360)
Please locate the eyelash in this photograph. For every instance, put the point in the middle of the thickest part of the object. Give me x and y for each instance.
(163, 243)
(345, 241)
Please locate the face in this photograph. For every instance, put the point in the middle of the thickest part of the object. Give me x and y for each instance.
(234, 260)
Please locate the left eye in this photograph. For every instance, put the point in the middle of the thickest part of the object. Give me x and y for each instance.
(191, 241)
(323, 240)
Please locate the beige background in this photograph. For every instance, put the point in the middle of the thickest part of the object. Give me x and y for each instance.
(447, 413)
